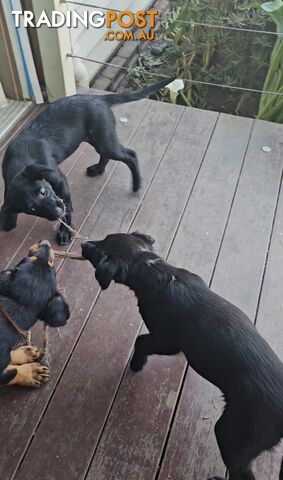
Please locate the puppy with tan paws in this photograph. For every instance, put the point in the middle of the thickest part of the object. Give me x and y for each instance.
(28, 292)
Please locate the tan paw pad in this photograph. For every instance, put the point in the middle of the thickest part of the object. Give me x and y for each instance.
(25, 354)
(31, 375)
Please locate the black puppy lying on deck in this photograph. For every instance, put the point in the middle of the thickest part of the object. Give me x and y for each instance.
(218, 340)
(34, 183)
(28, 292)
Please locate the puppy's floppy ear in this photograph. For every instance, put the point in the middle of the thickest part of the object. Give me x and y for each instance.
(38, 172)
(146, 238)
(57, 311)
(106, 270)
(34, 172)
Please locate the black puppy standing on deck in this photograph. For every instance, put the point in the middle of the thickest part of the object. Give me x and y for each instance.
(28, 292)
(34, 183)
(219, 341)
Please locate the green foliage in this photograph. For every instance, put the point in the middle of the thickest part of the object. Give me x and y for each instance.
(275, 10)
(271, 106)
(213, 55)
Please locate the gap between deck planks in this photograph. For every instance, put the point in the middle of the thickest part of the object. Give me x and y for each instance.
(20, 430)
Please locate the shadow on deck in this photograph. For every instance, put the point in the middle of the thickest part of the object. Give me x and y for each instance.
(212, 199)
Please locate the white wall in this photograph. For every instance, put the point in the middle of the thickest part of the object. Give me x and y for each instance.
(89, 42)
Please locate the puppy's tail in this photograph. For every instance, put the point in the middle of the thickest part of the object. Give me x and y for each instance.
(127, 97)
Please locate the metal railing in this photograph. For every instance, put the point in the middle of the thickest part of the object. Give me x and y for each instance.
(192, 23)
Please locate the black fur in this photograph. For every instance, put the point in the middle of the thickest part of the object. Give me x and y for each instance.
(34, 184)
(219, 341)
(28, 292)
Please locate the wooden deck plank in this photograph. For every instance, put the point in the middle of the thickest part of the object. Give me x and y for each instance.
(170, 190)
(269, 319)
(78, 278)
(113, 313)
(238, 277)
(18, 433)
(132, 442)
(244, 249)
(203, 224)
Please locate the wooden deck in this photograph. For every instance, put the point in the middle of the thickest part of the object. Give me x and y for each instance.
(212, 198)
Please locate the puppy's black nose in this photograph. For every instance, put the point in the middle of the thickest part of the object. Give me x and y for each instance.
(59, 212)
(87, 248)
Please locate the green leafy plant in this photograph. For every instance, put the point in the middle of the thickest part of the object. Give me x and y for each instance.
(271, 106)
(214, 55)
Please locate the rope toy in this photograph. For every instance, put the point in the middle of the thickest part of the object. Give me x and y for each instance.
(73, 255)
(69, 227)
(76, 234)
(45, 355)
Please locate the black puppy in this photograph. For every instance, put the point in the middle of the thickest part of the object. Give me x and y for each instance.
(218, 340)
(28, 292)
(34, 183)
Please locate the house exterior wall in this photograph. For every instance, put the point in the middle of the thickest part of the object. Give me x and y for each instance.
(8, 71)
(54, 45)
(89, 42)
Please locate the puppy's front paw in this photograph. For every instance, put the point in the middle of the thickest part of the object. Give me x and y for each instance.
(8, 221)
(64, 236)
(94, 170)
(137, 363)
(31, 375)
(25, 354)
